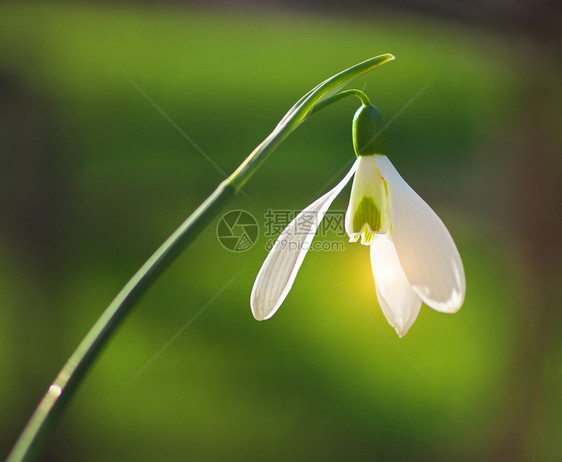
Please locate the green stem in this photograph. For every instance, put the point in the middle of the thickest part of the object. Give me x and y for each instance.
(338, 96)
(75, 369)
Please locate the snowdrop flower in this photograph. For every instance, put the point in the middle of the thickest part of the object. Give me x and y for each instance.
(413, 256)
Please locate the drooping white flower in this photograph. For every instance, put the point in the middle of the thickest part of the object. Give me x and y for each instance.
(413, 256)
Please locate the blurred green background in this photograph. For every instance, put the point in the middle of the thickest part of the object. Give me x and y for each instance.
(93, 178)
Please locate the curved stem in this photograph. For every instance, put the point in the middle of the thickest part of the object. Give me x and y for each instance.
(75, 369)
(64, 385)
(338, 96)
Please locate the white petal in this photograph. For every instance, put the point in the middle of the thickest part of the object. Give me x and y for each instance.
(367, 185)
(425, 248)
(280, 268)
(399, 303)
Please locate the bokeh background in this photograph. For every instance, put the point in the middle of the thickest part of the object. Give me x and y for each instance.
(93, 178)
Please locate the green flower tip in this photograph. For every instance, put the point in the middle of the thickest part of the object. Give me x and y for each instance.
(368, 131)
(367, 219)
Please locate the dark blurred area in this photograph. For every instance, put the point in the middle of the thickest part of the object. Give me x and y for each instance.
(536, 20)
(94, 176)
